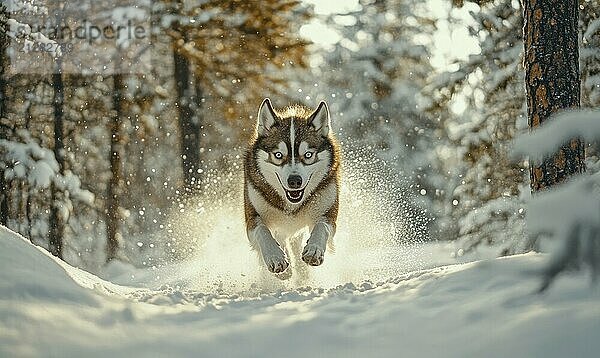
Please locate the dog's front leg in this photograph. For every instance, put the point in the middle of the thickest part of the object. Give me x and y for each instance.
(314, 251)
(260, 237)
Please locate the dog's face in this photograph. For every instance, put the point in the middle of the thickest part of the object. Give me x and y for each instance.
(293, 149)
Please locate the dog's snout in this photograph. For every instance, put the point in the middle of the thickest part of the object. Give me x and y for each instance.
(294, 181)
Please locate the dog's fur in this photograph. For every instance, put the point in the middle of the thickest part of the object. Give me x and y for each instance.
(286, 189)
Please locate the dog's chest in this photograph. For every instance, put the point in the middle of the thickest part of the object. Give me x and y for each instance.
(289, 222)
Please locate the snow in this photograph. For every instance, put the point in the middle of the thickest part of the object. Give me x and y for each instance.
(575, 203)
(18, 30)
(485, 308)
(25, 159)
(558, 131)
(593, 27)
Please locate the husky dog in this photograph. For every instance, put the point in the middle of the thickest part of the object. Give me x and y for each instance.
(291, 182)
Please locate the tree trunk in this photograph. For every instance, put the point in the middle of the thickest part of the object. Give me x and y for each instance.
(4, 197)
(57, 220)
(189, 129)
(552, 81)
(113, 217)
(198, 120)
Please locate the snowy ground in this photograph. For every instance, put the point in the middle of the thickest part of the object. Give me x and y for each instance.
(480, 309)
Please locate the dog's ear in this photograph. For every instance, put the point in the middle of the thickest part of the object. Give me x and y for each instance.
(266, 117)
(320, 119)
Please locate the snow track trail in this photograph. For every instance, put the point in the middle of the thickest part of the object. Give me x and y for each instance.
(481, 309)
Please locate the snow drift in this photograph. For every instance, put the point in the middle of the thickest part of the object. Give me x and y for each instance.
(486, 308)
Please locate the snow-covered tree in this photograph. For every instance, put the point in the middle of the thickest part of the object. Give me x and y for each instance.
(491, 192)
(373, 77)
(486, 196)
(28, 165)
(569, 213)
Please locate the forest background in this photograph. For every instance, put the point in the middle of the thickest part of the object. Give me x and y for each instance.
(99, 147)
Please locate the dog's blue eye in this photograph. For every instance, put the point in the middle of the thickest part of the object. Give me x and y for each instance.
(308, 155)
(278, 155)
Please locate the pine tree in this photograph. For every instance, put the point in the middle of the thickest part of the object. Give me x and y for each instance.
(487, 185)
(228, 54)
(490, 194)
(375, 75)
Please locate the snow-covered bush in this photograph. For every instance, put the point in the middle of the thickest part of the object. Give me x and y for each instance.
(23, 160)
(570, 212)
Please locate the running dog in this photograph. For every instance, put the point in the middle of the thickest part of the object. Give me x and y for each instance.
(291, 182)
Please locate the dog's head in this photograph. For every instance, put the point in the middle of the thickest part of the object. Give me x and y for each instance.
(294, 149)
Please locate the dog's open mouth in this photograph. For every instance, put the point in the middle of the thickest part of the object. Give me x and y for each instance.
(294, 196)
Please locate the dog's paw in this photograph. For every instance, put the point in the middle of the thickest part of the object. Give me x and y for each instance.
(313, 254)
(275, 260)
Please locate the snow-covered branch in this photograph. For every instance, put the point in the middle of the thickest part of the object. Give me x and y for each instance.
(26, 160)
(22, 32)
(543, 142)
(570, 213)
